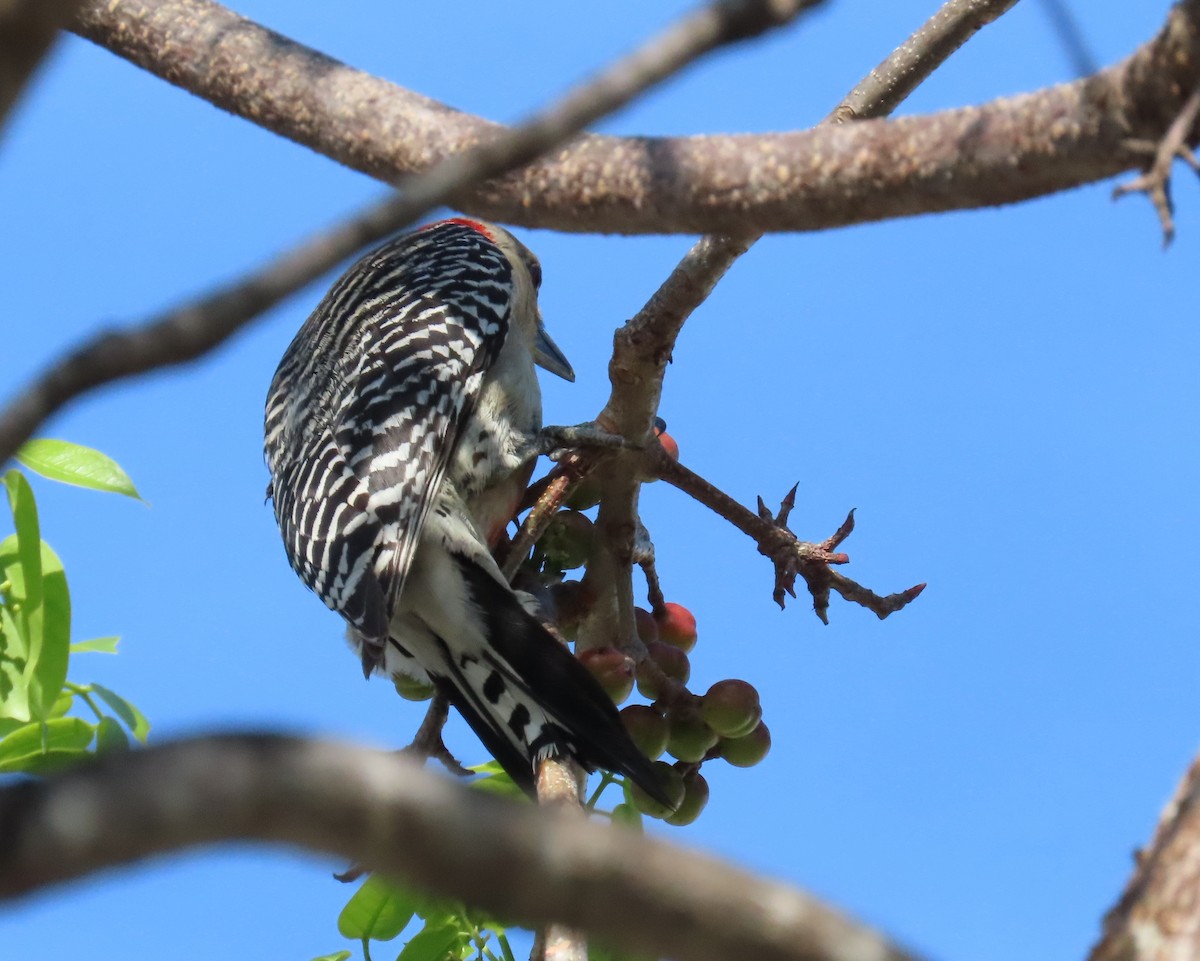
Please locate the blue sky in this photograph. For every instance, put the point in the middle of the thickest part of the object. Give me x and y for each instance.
(1006, 396)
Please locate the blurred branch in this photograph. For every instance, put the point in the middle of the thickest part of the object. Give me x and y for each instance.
(388, 813)
(27, 30)
(1156, 918)
(1070, 35)
(642, 349)
(1005, 151)
(192, 330)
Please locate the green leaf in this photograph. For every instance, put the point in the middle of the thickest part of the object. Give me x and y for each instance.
(110, 737)
(134, 719)
(8, 725)
(499, 784)
(336, 956)
(53, 621)
(22, 749)
(54, 761)
(97, 645)
(64, 703)
(26, 574)
(69, 463)
(14, 688)
(435, 942)
(378, 910)
(35, 620)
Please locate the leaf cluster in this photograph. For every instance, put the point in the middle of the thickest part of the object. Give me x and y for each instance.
(38, 733)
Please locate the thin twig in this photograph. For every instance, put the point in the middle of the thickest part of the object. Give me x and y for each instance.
(188, 332)
(790, 555)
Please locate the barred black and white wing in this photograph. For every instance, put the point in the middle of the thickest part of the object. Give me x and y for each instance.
(366, 408)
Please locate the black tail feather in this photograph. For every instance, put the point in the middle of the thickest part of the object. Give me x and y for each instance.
(528, 656)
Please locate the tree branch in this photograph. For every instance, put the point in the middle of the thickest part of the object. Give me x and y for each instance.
(1156, 918)
(642, 349)
(388, 813)
(27, 30)
(1003, 152)
(194, 329)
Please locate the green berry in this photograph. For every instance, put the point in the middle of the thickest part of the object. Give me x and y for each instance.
(671, 661)
(732, 708)
(695, 799)
(647, 728)
(412, 689)
(567, 540)
(671, 782)
(749, 750)
(689, 738)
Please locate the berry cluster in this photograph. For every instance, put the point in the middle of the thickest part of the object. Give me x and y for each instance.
(723, 723)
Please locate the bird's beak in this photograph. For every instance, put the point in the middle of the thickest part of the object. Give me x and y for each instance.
(548, 357)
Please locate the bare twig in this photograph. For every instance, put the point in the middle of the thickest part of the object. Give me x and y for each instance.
(196, 328)
(1156, 917)
(1003, 152)
(1155, 183)
(382, 810)
(910, 64)
(27, 29)
(791, 556)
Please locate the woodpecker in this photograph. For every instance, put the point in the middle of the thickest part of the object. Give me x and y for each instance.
(401, 429)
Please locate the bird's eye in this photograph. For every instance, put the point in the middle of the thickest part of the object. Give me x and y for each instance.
(535, 273)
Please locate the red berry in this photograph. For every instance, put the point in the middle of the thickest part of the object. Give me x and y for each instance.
(690, 738)
(749, 750)
(671, 781)
(695, 798)
(677, 626)
(612, 668)
(647, 728)
(647, 629)
(732, 708)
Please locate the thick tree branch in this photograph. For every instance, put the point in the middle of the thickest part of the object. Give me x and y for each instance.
(384, 811)
(1156, 918)
(1002, 152)
(188, 332)
(27, 29)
